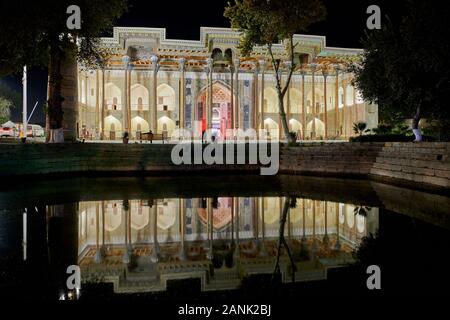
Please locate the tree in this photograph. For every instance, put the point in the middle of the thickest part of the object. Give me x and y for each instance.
(37, 34)
(8, 99)
(266, 22)
(11, 95)
(5, 106)
(405, 67)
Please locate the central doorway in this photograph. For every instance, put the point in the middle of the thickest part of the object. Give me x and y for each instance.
(221, 119)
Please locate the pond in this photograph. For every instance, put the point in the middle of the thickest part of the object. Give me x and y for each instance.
(212, 237)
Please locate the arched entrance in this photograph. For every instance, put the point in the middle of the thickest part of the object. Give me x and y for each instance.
(138, 126)
(113, 128)
(221, 110)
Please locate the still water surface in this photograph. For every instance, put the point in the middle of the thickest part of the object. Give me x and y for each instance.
(200, 236)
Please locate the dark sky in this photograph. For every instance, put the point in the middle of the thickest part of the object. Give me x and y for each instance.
(344, 27)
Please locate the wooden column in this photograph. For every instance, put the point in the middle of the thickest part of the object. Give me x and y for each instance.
(182, 97)
(313, 128)
(325, 75)
(126, 61)
(129, 102)
(255, 98)
(336, 104)
(232, 99)
(262, 67)
(97, 104)
(210, 94)
(154, 106)
(102, 120)
(236, 113)
(303, 73)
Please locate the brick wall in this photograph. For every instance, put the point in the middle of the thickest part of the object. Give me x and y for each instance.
(89, 159)
(334, 159)
(424, 164)
(414, 164)
(419, 163)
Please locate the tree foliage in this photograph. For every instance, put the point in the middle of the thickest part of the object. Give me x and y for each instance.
(405, 68)
(36, 34)
(31, 30)
(5, 112)
(11, 95)
(267, 22)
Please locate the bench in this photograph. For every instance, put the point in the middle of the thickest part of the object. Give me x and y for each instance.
(147, 136)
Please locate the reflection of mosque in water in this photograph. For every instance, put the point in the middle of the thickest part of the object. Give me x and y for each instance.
(141, 244)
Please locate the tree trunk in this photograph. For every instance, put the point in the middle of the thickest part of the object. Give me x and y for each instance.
(416, 127)
(283, 119)
(282, 91)
(69, 90)
(54, 111)
(62, 97)
(282, 241)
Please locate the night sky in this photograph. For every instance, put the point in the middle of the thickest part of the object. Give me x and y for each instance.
(344, 27)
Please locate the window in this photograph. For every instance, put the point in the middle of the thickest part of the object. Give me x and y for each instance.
(165, 108)
(160, 100)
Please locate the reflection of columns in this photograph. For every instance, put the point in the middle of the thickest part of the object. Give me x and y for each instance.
(210, 94)
(303, 73)
(182, 210)
(338, 243)
(236, 112)
(336, 104)
(314, 246)
(97, 226)
(154, 106)
(182, 97)
(236, 211)
(256, 218)
(155, 254)
(313, 128)
(314, 219)
(289, 224)
(102, 120)
(304, 218)
(325, 237)
(103, 224)
(325, 75)
(126, 255)
(210, 227)
(262, 67)
(24, 234)
(262, 251)
(263, 222)
(232, 220)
